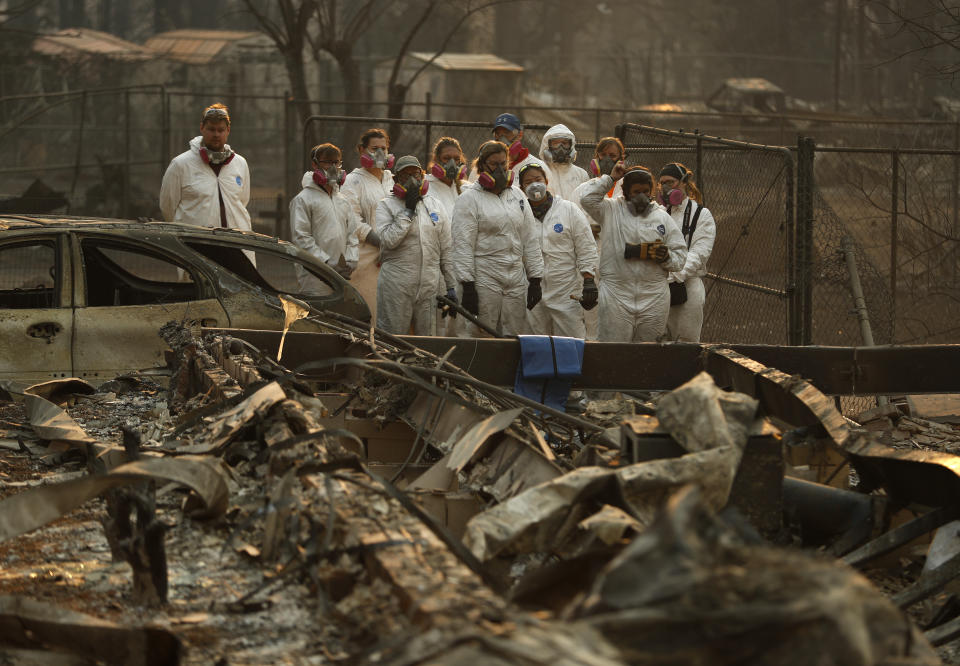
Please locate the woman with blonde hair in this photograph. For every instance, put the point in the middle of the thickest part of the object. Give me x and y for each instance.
(680, 196)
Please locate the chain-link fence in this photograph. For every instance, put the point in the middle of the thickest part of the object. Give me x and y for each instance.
(901, 209)
(749, 190)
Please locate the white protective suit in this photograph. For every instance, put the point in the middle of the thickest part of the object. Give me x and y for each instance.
(326, 227)
(686, 320)
(634, 297)
(567, 176)
(364, 192)
(592, 317)
(495, 245)
(190, 191)
(447, 196)
(569, 250)
(415, 252)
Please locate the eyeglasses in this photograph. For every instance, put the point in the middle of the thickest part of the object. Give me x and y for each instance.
(215, 113)
(335, 163)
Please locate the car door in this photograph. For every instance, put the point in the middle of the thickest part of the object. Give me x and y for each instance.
(127, 290)
(36, 317)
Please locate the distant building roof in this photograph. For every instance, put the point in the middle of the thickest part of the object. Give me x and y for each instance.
(752, 85)
(469, 61)
(202, 46)
(78, 42)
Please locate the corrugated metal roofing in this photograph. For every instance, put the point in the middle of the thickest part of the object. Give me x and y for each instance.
(469, 61)
(74, 42)
(196, 46)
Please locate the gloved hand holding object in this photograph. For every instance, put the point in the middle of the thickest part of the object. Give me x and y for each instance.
(451, 295)
(590, 294)
(471, 299)
(534, 293)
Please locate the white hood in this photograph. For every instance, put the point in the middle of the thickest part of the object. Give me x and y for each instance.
(558, 132)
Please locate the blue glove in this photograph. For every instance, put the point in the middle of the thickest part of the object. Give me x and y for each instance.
(452, 295)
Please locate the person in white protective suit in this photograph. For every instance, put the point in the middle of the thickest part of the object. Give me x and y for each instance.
(364, 187)
(415, 247)
(640, 245)
(680, 196)
(608, 152)
(209, 184)
(496, 252)
(508, 130)
(447, 174)
(558, 150)
(569, 259)
(322, 221)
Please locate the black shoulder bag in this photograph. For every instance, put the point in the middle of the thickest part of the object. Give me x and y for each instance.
(678, 290)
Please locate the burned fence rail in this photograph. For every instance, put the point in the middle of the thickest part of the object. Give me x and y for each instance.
(880, 370)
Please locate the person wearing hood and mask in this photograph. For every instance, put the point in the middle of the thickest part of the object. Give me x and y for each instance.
(447, 175)
(569, 259)
(415, 247)
(496, 252)
(508, 130)
(640, 246)
(364, 187)
(558, 149)
(208, 185)
(680, 196)
(322, 221)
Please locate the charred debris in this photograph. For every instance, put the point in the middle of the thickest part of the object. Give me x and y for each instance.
(378, 504)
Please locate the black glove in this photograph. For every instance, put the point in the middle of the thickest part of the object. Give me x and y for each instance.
(590, 294)
(631, 251)
(372, 239)
(471, 300)
(452, 296)
(534, 293)
(411, 198)
(659, 253)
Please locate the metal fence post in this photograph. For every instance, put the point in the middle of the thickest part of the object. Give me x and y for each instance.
(803, 318)
(596, 123)
(793, 337)
(164, 130)
(698, 169)
(125, 195)
(955, 191)
(894, 205)
(288, 138)
(426, 128)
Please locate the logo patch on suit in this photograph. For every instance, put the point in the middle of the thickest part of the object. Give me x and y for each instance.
(662, 229)
(558, 227)
(521, 205)
(239, 181)
(434, 217)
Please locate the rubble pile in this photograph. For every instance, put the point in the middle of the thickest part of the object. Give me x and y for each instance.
(387, 507)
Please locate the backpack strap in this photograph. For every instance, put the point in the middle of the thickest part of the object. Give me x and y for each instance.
(693, 224)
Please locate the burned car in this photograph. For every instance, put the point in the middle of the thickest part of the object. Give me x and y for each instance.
(86, 297)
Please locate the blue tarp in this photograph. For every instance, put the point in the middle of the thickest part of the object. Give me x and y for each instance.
(548, 364)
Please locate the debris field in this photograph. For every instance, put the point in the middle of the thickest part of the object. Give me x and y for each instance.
(386, 507)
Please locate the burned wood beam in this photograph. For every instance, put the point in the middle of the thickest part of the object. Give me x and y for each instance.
(898, 536)
(881, 370)
(929, 583)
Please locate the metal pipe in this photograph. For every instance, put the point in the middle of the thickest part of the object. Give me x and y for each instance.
(859, 302)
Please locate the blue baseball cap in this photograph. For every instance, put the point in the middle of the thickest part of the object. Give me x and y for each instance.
(508, 120)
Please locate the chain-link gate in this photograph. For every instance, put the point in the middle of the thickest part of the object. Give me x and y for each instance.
(749, 189)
